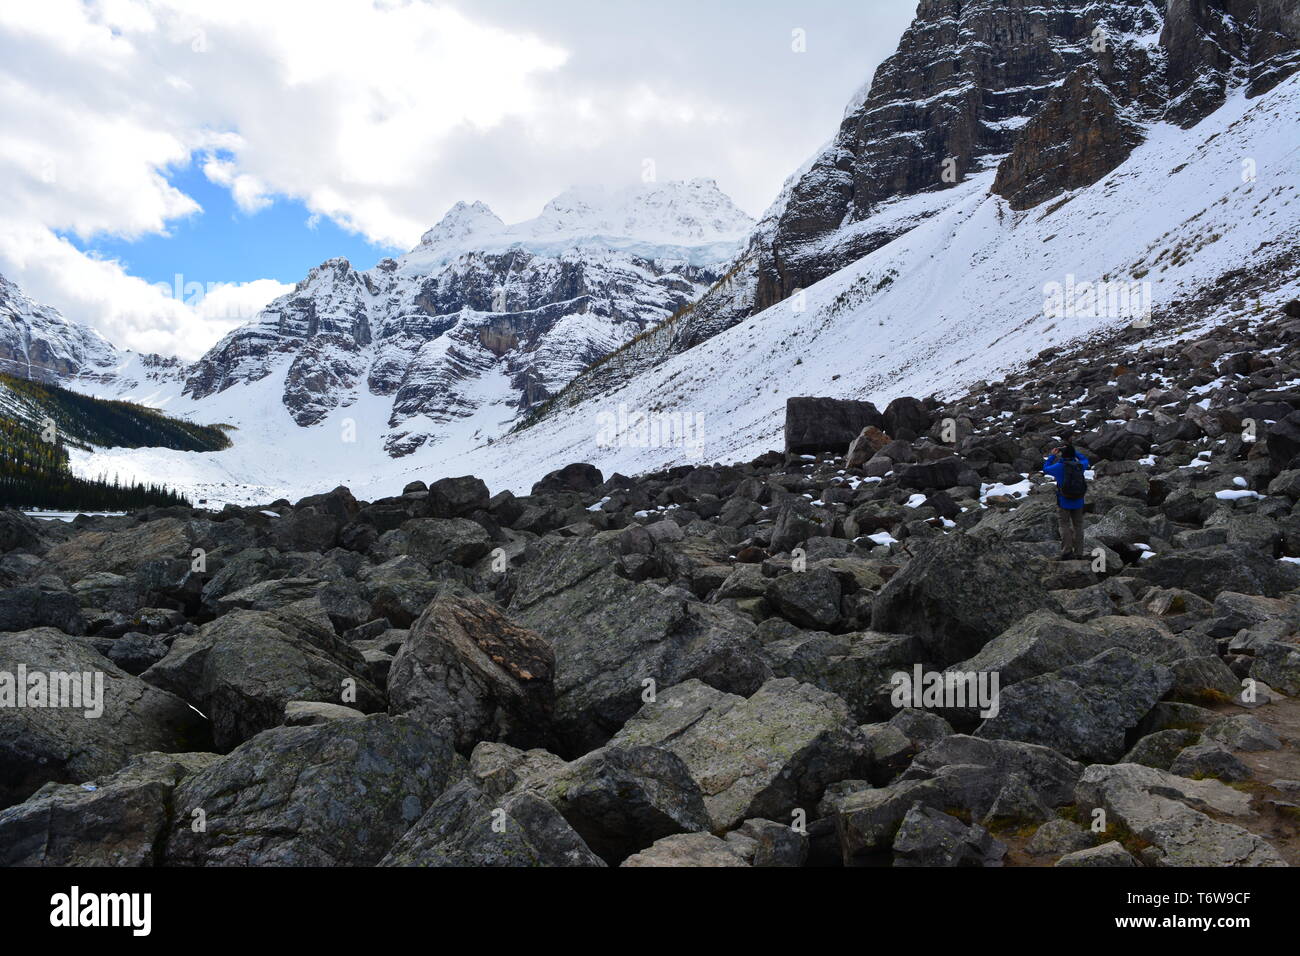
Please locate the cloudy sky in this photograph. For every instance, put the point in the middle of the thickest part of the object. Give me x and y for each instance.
(150, 149)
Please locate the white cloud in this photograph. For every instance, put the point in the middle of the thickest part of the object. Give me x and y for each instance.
(128, 311)
(382, 113)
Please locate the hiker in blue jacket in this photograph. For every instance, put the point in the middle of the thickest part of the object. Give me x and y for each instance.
(1067, 466)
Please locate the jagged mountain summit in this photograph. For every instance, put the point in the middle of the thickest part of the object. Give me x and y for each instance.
(481, 320)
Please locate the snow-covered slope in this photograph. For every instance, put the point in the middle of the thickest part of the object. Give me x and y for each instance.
(965, 294)
(970, 293)
(1053, 93)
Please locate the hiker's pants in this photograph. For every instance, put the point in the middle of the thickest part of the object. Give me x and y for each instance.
(1071, 522)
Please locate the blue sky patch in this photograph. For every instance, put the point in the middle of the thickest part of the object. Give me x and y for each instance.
(221, 243)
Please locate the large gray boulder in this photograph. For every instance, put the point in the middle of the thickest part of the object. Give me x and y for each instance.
(620, 799)
(768, 843)
(930, 837)
(1225, 567)
(578, 476)
(957, 594)
(1032, 521)
(466, 827)
(1047, 772)
(17, 530)
(244, 667)
(852, 666)
(467, 666)
(956, 773)
(1108, 854)
(267, 595)
(121, 551)
(24, 608)
(611, 636)
(457, 497)
(336, 794)
(816, 425)
(867, 821)
(400, 589)
(458, 540)
(497, 768)
(937, 475)
(1277, 663)
(65, 745)
(808, 599)
(1041, 642)
(688, 849)
(1084, 710)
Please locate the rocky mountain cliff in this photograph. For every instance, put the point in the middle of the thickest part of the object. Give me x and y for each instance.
(1051, 91)
(38, 343)
(482, 320)
(1052, 94)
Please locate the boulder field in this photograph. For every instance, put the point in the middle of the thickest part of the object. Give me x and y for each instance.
(696, 667)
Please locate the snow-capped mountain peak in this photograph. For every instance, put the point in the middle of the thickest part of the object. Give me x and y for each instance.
(688, 212)
(463, 221)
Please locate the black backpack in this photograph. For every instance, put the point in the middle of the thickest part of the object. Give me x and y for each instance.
(1073, 484)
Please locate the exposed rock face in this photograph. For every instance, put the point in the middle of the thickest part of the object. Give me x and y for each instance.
(965, 79)
(1081, 133)
(468, 667)
(1054, 94)
(1213, 45)
(1205, 49)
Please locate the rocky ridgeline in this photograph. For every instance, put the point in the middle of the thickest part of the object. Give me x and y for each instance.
(694, 667)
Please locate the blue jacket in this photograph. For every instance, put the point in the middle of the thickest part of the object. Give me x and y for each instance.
(1056, 468)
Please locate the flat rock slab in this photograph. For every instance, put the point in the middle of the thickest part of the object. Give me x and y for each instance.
(758, 757)
(1165, 810)
(687, 849)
